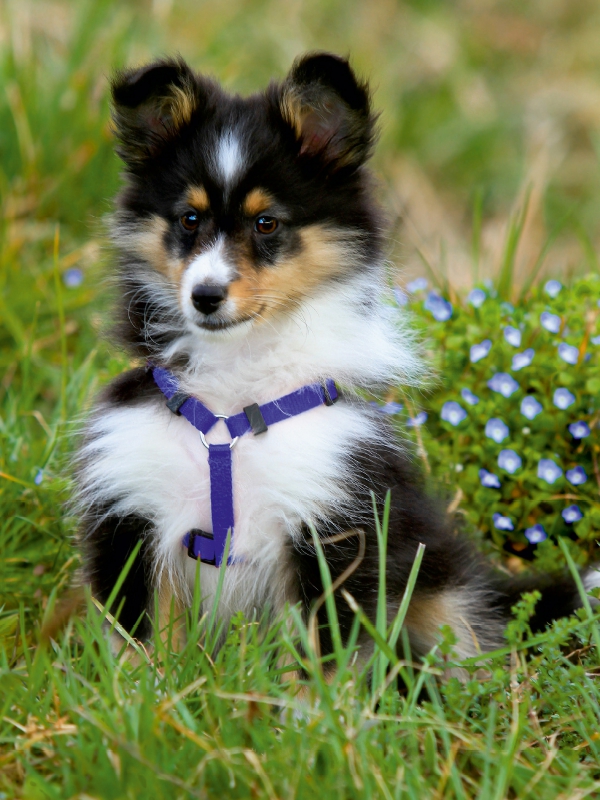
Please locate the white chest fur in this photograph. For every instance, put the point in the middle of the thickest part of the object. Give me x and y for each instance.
(155, 464)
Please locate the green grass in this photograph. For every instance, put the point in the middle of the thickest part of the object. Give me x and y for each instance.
(483, 103)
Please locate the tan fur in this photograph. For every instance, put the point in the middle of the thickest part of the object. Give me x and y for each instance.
(171, 616)
(180, 105)
(314, 122)
(147, 241)
(323, 255)
(452, 607)
(256, 201)
(198, 198)
(292, 110)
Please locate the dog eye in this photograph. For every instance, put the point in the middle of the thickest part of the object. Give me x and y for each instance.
(189, 222)
(266, 225)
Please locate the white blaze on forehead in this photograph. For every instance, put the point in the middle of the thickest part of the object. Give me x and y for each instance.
(229, 160)
(210, 268)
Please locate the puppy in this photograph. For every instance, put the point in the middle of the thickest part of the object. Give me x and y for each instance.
(252, 289)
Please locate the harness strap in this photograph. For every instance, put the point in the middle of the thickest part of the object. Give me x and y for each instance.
(209, 547)
(196, 413)
(290, 405)
(221, 496)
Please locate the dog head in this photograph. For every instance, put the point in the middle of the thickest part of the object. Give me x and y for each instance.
(235, 210)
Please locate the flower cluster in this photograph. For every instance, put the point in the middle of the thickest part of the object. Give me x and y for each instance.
(516, 414)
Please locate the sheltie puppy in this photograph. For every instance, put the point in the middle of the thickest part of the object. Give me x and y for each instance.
(252, 288)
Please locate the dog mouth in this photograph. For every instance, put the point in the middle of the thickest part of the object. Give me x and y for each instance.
(208, 324)
(223, 325)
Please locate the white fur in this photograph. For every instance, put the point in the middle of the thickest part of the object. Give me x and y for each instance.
(229, 160)
(155, 462)
(591, 580)
(331, 334)
(210, 268)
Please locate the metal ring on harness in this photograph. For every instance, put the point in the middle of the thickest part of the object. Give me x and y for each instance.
(205, 443)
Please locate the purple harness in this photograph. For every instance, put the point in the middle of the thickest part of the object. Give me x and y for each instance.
(209, 547)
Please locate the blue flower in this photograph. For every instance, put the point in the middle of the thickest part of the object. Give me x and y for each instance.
(552, 288)
(418, 285)
(477, 297)
(595, 340)
(508, 308)
(579, 429)
(479, 351)
(468, 396)
(523, 359)
(400, 296)
(496, 429)
(509, 460)
(576, 476)
(453, 412)
(563, 398)
(568, 353)
(550, 321)
(503, 523)
(39, 477)
(73, 277)
(512, 336)
(488, 479)
(503, 383)
(530, 407)
(419, 419)
(571, 514)
(536, 534)
(548, 470)
(440, 308)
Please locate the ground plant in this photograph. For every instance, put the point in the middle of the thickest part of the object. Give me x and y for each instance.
(498, 244)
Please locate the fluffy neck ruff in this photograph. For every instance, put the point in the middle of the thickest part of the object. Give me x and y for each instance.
(338, 333)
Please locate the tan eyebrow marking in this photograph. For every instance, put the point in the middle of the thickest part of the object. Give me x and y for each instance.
(198, 198)
(256, 201)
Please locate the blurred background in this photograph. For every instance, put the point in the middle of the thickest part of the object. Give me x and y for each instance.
(489, 109)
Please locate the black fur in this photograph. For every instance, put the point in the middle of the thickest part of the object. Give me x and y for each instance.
(132, 388)
(107, 541)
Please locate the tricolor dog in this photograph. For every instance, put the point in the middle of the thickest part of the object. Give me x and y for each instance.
(249, 265)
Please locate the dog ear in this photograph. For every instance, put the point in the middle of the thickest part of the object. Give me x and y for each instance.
(329, 109)
(150, 105)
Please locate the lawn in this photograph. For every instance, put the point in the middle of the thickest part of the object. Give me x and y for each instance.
(488, 166)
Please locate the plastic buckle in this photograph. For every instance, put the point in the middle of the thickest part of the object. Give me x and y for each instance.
(256, 419)
(329, 400)
(193, 534)
(175, 403)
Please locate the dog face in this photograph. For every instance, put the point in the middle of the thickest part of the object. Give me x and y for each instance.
(237, 209)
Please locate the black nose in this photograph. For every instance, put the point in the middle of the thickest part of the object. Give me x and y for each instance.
(207, 299)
